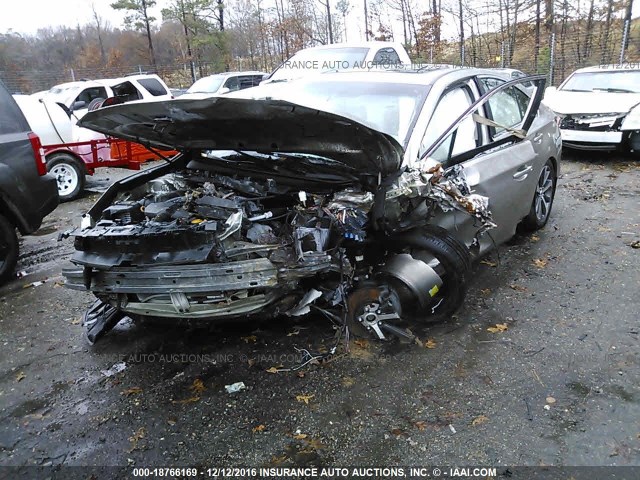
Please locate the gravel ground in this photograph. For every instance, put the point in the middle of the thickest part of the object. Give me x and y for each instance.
(559, 386)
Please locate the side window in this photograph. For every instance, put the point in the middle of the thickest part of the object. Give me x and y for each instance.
(153, 86)
(247, 82)
(386, 56)
(127, 91)
(232, 84)
(90, 94)
(11, 118)
(508, 108)
(489, 83)
(452, 104)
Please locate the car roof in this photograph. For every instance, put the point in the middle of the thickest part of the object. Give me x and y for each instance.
(425, 76)
(370, 44)
(101, 82)
(238, 74)
(610, 68)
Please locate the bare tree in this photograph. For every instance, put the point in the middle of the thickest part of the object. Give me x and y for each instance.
(327, 5)
(344, 7)
(98, 20)
(139, 16)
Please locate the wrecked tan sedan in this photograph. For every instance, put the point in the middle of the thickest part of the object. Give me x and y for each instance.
(363, 197)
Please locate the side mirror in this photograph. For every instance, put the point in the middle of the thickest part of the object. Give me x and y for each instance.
(223, 90)
(78, 105)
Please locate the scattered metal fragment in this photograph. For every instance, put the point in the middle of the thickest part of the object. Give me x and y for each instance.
(235, 387)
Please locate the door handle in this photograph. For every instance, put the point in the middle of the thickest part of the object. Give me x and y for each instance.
(523, 172)
(538, 138)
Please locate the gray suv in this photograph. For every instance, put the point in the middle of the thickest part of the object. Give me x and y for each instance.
(27, 192)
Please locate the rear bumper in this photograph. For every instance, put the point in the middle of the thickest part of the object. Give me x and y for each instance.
(49, 195)
(29, 212)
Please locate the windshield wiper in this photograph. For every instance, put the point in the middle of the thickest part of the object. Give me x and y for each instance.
(614, 90)
(574, 90)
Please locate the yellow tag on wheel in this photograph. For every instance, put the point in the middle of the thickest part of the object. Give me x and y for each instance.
(434, 290)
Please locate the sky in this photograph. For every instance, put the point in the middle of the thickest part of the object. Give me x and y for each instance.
(27, 16)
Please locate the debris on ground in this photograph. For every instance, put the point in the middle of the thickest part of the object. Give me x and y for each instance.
(430, 343)
(304, 398)
(235, 387)
(115, 368)
(498, 328)
(479, 420)
(540, 262)
(131, 391)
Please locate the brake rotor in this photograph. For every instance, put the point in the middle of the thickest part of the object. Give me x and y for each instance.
(370, 308)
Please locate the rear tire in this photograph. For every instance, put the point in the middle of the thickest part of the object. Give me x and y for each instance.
(542, 199)
(70, 174)
(8, 249)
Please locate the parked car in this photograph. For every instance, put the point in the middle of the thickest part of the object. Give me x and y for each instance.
(342, 56)
(27, 192)
(84, 95)
(514, 73)
(222, 83)
(357, 192)
(599, 108)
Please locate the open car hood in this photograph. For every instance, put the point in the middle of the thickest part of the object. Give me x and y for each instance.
(248, 125)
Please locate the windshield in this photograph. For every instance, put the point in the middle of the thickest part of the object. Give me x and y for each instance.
(391, 108)
(613, 81)
(207, 84)
(310, 61)
(64, 95)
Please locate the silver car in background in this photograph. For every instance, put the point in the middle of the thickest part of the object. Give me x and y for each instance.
(360, 196)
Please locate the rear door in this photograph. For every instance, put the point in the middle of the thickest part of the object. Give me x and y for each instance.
(491, 139)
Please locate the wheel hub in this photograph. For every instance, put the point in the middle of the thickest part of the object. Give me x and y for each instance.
(373, 317)
(544, 193)
(67, 178)
(373, 311)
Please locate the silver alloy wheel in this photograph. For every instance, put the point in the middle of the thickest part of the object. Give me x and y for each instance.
(67, 178)
(544, 194)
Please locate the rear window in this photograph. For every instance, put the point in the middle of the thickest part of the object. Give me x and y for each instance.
(250, 81)
(154, 87)
(127, 91)
(11, 118)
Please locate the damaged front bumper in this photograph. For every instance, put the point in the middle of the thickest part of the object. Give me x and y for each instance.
(600, 132)
(204, 291)
(171, 291)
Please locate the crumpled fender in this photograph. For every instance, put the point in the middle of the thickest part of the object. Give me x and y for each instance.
(632, 120)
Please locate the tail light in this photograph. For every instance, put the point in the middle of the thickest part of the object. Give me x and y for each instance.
(38, 153)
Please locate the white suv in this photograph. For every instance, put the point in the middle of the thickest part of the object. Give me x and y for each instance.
(342, 56)
(80, 96)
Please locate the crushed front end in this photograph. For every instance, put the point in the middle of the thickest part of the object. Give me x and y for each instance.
(195, 244)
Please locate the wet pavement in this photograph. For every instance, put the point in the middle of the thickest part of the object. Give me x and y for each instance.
(554, 382)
